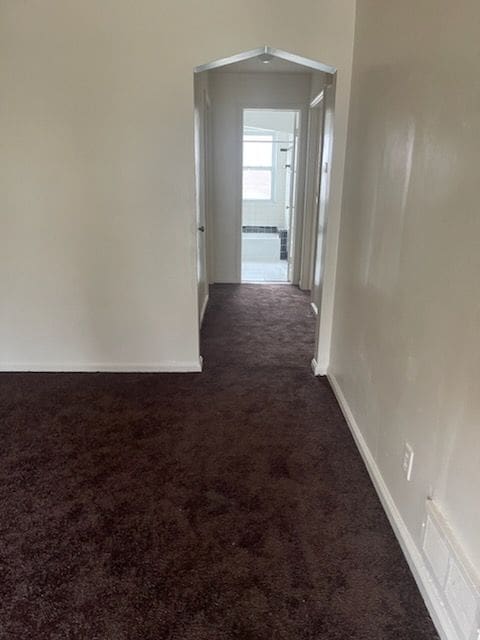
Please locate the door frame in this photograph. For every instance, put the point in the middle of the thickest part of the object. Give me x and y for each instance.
(313, 176)
(294, 269)
(202, 193)
(324, 327)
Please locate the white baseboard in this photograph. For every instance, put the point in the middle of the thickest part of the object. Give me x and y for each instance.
(204, 308)
(156, 367)
(410, 550)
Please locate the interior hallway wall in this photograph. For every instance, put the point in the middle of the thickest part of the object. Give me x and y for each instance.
(230, 92)
(97, 201)
(406, 350)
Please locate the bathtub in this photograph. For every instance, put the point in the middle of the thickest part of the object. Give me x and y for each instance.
(260, 247)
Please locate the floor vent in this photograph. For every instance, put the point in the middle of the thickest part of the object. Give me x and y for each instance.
(454, 577)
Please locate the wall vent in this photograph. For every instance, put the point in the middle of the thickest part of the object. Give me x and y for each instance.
(457, 583)
(436, 551)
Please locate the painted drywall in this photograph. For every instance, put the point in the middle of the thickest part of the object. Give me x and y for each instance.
(97, 201)
(230, 93)
(407, 311)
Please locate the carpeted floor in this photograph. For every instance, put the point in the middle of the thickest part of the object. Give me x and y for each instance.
(230, 504)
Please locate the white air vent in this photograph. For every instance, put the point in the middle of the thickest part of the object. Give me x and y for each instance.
(458, 585)
(436, 551)
(461, 600)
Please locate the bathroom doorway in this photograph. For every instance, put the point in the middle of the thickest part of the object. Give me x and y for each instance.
(269, 170)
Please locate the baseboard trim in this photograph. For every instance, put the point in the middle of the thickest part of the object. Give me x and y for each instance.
(303, 286)
(107, 367)
(410, 550)
(204, 308)
(317, 369)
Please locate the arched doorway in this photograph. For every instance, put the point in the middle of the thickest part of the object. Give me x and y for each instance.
(220, 211)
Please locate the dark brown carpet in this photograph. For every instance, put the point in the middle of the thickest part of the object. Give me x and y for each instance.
(227, 504)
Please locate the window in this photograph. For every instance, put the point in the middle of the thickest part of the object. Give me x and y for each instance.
(257, 167)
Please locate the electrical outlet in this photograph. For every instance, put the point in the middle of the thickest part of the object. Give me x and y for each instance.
(407, 463)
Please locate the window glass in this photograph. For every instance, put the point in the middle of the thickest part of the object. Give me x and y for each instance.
(257, 151)
(257, 184)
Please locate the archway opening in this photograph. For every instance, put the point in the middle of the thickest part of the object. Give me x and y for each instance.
(263, 188)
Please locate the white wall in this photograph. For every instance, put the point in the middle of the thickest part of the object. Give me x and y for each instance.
(230, 93)
(406, 350)
(96, 158)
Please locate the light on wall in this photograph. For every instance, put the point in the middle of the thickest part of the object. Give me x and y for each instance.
(265, 58)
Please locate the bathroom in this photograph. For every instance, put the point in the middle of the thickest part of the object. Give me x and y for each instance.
(269, 154)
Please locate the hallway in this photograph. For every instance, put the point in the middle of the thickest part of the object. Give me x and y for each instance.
(227, 504)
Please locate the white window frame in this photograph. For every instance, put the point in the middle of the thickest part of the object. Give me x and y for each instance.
(271, 168)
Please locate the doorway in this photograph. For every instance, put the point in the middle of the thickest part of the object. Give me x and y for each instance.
(240, 242)
(269, 160)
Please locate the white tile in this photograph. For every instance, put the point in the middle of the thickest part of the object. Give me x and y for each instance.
(265, 271)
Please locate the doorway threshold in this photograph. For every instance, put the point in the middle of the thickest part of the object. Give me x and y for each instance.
(279, 282)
